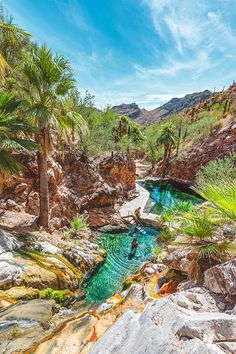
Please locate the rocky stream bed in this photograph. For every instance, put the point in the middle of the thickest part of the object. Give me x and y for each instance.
(156, 308)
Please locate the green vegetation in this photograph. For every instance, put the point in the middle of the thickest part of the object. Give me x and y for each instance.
(222, 196)
(217, 170)
(60, 296)
(10, 129)
(77, 224)
(197, 224)
(201, 226)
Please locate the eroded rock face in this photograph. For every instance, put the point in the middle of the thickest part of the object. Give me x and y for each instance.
(217, 145)
(221, 279)
(75, 186)
(59, 266)
(116, 172)
(180, 323)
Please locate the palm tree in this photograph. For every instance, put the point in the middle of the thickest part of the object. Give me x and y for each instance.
(46, 83)
(13, 40)
(10, 128)
(167, 138)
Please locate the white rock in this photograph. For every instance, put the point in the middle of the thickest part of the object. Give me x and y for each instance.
(8, 242)
(10, 273)
(104, 307)
(166, 327)
(46, 247)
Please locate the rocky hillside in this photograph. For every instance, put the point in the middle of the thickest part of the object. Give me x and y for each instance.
(175, 105)
(75, 186)
(220, 142)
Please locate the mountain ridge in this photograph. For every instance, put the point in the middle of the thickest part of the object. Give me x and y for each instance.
(175, 105)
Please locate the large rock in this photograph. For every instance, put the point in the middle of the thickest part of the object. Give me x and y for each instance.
(221, 279)
(8, 242)
(177, 324)
(25, 324)
(10, 271)
(178, 257)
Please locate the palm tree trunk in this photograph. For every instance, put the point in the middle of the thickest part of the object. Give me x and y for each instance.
(166, 149)
(43, 185)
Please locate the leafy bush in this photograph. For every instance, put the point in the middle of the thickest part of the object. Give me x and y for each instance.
(198, 225)
(78, 223)
(201, 128)
(157, 251)
(217, 170)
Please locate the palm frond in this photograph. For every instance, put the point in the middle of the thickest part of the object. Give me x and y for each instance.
(14, 144)
(198, 225)
(9, 165)
(222, 196)
(4, 67)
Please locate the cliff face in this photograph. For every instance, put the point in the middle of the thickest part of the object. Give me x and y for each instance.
(75, 185)
(175, 105)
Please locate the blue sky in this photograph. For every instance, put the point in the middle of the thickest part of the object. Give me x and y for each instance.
(143, 51)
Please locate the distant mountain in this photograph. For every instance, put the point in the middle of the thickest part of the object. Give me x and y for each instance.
(175, 105)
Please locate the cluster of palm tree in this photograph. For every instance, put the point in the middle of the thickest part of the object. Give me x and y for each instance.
(36, 103)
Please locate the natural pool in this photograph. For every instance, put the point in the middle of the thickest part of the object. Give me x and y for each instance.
(119, 263)
(164, 195)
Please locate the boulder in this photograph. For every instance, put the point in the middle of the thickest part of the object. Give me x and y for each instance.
(179, 323)
(8, 242)
(10, 271)
(25, 324)
(221, 279)
(178, 257)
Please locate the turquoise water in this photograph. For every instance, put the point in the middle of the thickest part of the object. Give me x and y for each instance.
(166, 195)
(119, 263)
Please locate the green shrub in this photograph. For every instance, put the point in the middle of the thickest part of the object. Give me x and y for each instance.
(198, 225)
(222, 196)
(78, 223)
(217, 170)
(157, 251)
(60, 296)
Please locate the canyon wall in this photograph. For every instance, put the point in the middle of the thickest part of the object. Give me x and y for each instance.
(219, 144)
(76, 185)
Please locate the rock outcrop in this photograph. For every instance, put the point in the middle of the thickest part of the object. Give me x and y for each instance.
(75, 186)
(219, 144)
(186, 322)
(221, 279)
(30, 260)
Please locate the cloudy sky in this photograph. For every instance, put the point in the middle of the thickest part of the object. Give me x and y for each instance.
(143, 51)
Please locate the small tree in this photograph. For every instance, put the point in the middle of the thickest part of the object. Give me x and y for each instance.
(168, 139)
